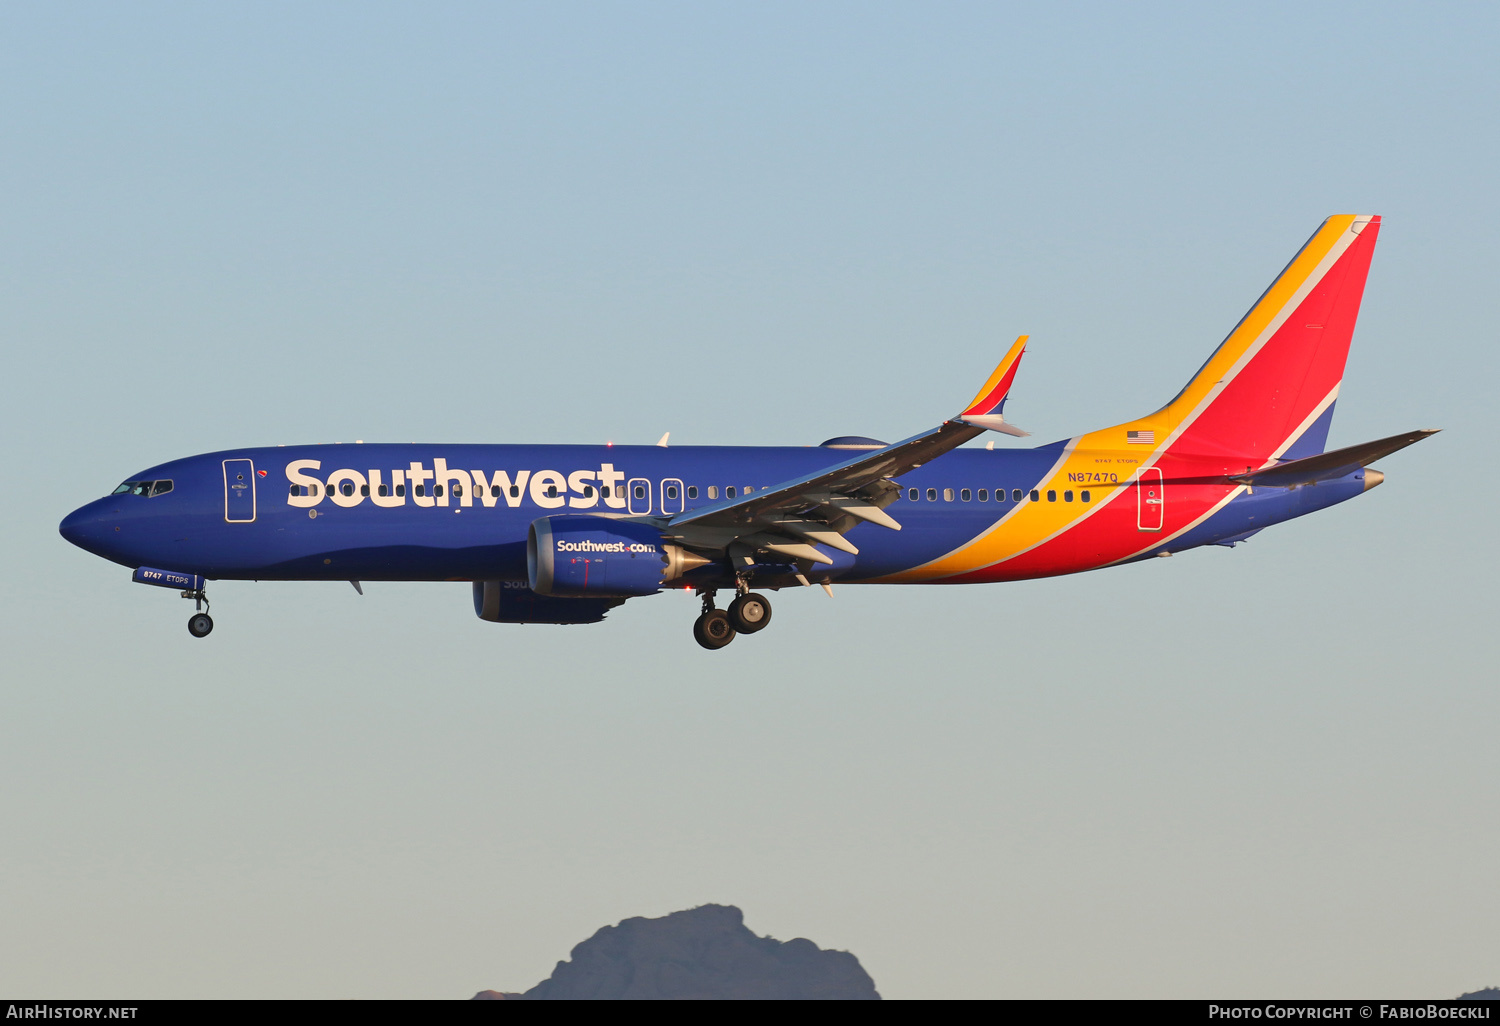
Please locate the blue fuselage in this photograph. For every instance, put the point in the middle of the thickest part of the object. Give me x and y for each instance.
(461, 512)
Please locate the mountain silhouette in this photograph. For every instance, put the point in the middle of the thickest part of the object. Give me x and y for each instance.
(700, 953)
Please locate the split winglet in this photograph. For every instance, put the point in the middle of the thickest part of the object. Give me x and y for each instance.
(985, 409)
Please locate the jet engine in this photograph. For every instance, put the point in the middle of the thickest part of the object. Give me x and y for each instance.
(514, 602)
(584, 556)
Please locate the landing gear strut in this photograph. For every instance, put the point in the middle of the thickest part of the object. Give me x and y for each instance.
(200, 623)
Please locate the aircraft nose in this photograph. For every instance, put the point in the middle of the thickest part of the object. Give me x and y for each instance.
(83, 527)
(73, 526)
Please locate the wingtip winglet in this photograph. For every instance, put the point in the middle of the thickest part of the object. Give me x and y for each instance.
(991, 397)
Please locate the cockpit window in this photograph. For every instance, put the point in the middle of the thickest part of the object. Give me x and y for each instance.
(144, 488)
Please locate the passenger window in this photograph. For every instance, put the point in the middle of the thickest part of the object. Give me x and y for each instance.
(364, 490)
(671, 491)
(713, 491)
(312, 489)
(438, 490)
(966, 495)
(401, 491)
(729, 492)
(419, 490)
(932, 495)
(912, 493)
(947, 494)
(347, 487)
(1085, 497)
(588, 491)
(1051, 495)
(692, 491)
(385, 490)
(458, 489)
(552, 491)
(984, 495)
(1036, 496)
(1015, 495)
(295, 490)
(1068, 495)
(515, 491)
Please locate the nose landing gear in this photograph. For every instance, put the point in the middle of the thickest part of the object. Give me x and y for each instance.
(200, 623)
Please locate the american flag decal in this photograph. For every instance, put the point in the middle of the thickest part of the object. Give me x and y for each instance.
(1141, 437)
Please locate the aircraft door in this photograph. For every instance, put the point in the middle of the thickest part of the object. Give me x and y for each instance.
(639, 491)
(1150, 500)
(671, 496)
(239, 491)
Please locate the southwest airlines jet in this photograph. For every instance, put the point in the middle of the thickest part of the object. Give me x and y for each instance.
(563, 533)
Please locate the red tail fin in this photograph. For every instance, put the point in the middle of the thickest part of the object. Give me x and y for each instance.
(1271, 385)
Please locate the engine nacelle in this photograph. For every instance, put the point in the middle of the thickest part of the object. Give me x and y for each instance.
(514, 602)
(584, 556)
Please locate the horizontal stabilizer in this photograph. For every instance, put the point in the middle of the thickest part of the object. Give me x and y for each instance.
(1329, 465)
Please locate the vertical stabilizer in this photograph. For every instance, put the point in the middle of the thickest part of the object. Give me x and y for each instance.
(1268, 391)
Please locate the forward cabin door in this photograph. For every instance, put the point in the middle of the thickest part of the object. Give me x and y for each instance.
(1150, 500)
(239, 491)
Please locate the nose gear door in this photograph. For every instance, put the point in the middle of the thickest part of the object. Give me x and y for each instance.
(239, 491)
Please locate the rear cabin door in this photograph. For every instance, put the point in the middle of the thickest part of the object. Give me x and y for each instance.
(1150, 500)
(639, 491)
(239, 491)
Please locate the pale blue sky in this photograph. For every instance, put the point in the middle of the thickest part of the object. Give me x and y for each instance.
(1264, 772)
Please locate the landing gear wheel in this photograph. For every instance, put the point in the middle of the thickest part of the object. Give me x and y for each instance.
(199, 624)
(712, 630)
(750, 613)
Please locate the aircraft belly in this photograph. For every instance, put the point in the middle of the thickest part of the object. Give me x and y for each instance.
(371, 545)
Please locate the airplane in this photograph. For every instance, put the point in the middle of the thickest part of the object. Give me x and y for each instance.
(561, 534)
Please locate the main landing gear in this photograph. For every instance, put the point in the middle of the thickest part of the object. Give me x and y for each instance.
(200, 623)
(747, 614)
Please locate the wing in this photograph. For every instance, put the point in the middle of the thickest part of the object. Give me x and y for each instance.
(793, 518)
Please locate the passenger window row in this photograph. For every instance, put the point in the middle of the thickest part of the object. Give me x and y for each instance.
(150, 488)
(347, 488)
(967, 495)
